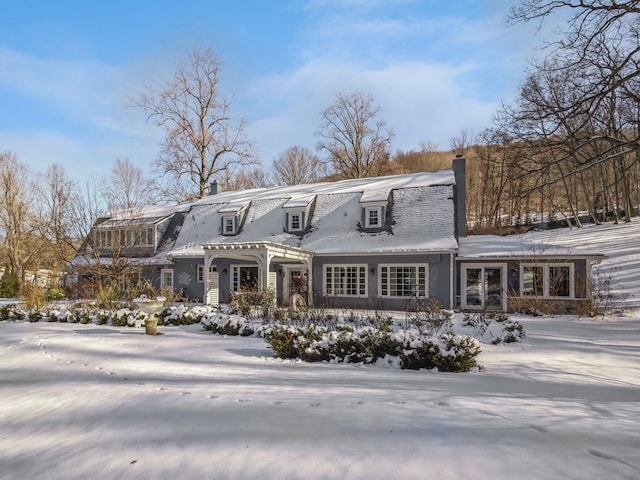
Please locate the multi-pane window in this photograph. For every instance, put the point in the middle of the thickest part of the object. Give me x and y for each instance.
(295, 222)
(125, 237)
(244, 278)
(166, 278)
(547, 280)
(403, 280)
(200, 271)
(373, 217)
(229, 225)
(345, 280)
(150, 240)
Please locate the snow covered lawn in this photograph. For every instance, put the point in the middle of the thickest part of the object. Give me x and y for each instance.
(89, 401)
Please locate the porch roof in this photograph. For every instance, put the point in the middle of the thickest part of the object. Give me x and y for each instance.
(275, 250)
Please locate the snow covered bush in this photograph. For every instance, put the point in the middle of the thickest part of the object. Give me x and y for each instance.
(184, 315)
(11, 312)
(345, 343)
(457, 353)
(58, 315)
(479, 322)
(292, 342)
(125, 317)
(227, 324)
(102, 317)
(494, 327)
(428, 316)
(446, 352)
(512, 331)
(80, 315)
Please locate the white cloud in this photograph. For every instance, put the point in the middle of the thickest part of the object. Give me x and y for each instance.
(70, 86)
(422, 102)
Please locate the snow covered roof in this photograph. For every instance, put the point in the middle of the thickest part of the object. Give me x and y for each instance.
(517, 246)
(421, 214)
(372, 188)
(147, 215)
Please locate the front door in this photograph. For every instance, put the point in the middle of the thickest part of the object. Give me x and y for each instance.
(483, 287)
(296, 282)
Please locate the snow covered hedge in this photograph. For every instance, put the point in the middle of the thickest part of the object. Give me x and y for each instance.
(227, 324)
(407, 348)
(494, 327)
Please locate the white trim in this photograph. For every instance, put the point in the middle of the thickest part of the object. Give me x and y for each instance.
(359, 287)
(300, 215)
(545, 279)
(234, 225)
(163, 282)
(481, 294)
(234, 270)
(367, 216)
(416, 266)
(199, 273)
(400, 253)
(286, 277)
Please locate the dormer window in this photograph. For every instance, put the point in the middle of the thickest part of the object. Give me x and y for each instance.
(295, 222)
(373, 217)
(229, 225)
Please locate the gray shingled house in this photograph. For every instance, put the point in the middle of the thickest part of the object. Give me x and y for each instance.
(373, 243)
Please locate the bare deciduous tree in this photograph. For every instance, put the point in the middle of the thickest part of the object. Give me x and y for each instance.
(201, 139)
(356, 143)
(579, 105)
(296, 165)
(57, 223)
(17, 222)
(127, 187)
(255, 177)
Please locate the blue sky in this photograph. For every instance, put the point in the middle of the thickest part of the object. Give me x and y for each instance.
(69, 68)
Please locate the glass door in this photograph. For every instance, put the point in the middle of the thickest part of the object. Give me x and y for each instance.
(483, 287)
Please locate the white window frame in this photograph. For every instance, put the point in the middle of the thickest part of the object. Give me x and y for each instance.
(225, 219)
(290, 226)
(362, 280)
(166, 273)
(150, 236)
(234, 278)
(200, 273)
(422, 293)
(367, 217)
(546, 280)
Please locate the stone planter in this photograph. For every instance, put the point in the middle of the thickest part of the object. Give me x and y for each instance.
(151, 325)
(150, 306)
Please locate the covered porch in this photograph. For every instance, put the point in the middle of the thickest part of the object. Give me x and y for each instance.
(263, 265)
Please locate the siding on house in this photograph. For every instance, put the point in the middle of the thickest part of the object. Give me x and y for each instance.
(438, 281)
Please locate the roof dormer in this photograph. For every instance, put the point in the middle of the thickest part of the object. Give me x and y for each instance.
(297, 213)
(232, 217)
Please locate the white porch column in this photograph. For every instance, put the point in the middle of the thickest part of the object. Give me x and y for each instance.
(211, 280)
(267, 279)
